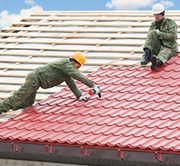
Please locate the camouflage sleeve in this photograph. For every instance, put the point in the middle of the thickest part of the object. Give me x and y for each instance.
(168, 30)
(69, 70)
(170, 33)
(73, 87)
(152, 26)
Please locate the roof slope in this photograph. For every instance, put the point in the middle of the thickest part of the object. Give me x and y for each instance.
(139, 110)
(107, 38)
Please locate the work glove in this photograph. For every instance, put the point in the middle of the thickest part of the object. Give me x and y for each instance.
(95, 90)
(85, 98)
(157, 30)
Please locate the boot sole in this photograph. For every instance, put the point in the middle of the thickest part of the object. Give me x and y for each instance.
(154, 63)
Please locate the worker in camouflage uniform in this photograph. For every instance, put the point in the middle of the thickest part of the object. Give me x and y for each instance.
(48, 76)
(160, 44)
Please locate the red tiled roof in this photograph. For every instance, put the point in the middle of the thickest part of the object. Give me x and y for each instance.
(138, 110)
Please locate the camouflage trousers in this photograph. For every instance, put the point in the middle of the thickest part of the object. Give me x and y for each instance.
(156, 46)
(24, 96)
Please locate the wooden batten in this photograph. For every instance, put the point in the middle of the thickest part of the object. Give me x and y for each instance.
(107, 38)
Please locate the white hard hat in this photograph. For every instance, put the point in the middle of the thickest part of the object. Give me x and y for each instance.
(158, 8)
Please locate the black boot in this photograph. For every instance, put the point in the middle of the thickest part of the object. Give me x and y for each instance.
(146, 59)
(155, 62)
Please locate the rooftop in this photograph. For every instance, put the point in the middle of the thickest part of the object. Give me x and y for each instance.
(139, 110)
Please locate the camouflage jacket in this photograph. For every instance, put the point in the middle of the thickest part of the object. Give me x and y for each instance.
(168, 33)
(59, 71)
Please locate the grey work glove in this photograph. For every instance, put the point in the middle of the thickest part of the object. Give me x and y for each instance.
(157, 30)
(85, 98)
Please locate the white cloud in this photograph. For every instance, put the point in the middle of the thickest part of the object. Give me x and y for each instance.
(30, 2)
(129, 4)
(167, 4)
(7, 19)
(135, 4)
(27, 12)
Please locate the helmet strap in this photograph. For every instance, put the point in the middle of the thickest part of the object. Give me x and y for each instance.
(162, 13)
(72, 59)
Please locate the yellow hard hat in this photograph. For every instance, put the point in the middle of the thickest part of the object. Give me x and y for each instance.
(80, 58)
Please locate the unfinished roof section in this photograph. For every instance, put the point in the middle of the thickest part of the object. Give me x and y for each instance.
(106, 38)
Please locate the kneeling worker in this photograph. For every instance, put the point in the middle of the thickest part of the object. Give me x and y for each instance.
(47, 76)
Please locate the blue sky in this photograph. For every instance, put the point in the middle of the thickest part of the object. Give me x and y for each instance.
(14, 10)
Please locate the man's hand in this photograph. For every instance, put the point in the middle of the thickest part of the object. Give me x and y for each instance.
(157, 30)
(85, 98)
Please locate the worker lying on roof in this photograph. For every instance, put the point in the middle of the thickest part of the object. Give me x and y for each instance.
(160, 44)
(48, 76)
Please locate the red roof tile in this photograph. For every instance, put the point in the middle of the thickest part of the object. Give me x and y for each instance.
(139, 110)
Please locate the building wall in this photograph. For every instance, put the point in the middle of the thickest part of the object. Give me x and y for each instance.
(7, 162)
